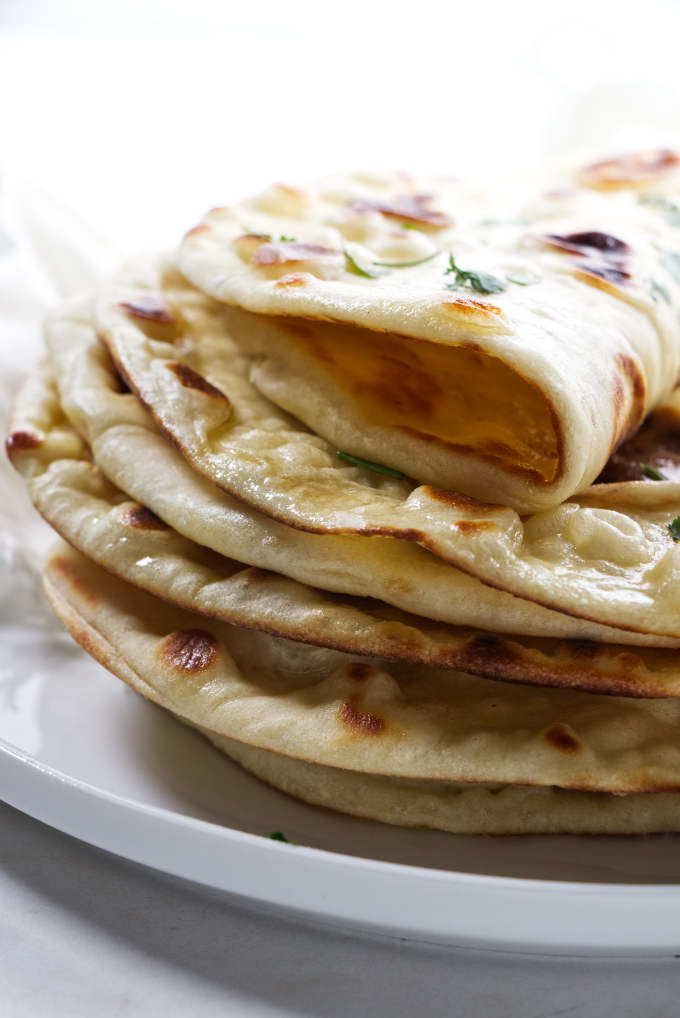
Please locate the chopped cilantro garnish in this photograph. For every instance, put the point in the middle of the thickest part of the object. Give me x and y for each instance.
(674, 528)
(649, 471)
(523, 277)
(407, 265)
(662, 204)
(284, 240)
(356, 461)
(657, 290)
(658, 201)
(409, 226)
(279, 836)
(482, 282)
(359, 270)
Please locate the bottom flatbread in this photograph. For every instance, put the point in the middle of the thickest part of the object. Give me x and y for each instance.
(459, 809)
(406, 745)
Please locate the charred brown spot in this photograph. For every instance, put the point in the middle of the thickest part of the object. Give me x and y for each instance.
(118, 381)
(191, 379)
(468, 307)
(605, 255)
(633, 373)
(151, 307)
(488, 654)
(69, 572)
(412, 207)
(141, 518)
(485, 643)
(468, 528)
(629, 169)
(190, 650)
(360, 721)
(589, 242)
(21, 441)
(358, 671)
(292, 251)
(403, 533)
(293, 279)
(562, 738)
(584, 648)
(628, 660)
(595, 271)
(457, 500)
(638, 388)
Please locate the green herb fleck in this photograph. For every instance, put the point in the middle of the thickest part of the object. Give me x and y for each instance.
(671, 262)
(523, 277)
(482, 282)
(649, 471)
(657, 290)
(658, 201)
(674, 528)
(662, 204)
(287, 240)
(356, 461)
(409, 226)
(279, 836)
(359, 270)
(407, 265)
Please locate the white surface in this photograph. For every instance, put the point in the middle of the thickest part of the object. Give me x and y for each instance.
(144, 113)
(84, 933)
(140, 115)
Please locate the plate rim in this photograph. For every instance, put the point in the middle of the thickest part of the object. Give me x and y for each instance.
(653, 930)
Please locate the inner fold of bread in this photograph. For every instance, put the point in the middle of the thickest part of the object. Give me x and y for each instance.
(457, 395)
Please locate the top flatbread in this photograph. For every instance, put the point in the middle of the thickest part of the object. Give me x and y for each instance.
(607, 556)
(515, 395)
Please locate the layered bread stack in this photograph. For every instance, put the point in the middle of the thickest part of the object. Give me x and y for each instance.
(379, 488)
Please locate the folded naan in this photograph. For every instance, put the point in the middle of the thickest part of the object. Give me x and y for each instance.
(502, 358)
(607, 556)
(130, 542)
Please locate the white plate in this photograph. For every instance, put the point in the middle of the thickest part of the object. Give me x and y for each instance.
(83, 753)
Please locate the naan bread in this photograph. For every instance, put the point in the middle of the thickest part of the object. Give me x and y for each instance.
(406, 741)
(131, 543)
(607, 557)
(509, 373)
(459, 809)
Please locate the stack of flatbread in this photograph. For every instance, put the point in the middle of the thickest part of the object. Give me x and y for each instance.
(377, 484)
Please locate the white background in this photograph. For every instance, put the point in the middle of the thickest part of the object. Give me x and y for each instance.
(139, 116)
(143, 113)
